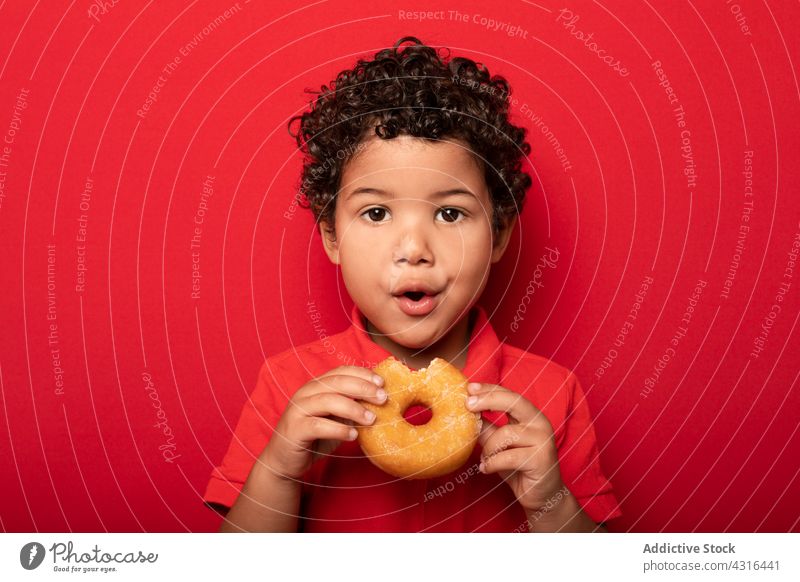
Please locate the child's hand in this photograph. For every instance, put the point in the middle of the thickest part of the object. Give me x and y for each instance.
(523, 451)
(319, 416)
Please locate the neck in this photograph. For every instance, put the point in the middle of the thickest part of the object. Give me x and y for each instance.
(451, 347)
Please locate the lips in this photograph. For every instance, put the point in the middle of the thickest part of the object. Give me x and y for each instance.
(415, 287)
(416, 298)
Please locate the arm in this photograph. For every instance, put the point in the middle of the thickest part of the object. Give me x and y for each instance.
(267, 503)
(580, 467)
(565, 516)
(525, 455)
(319, 416)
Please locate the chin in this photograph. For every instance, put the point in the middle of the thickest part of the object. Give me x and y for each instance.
(414, 340)
(415, 344)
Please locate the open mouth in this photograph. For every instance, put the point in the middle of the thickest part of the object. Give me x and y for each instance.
(414, 295)
(417, 302)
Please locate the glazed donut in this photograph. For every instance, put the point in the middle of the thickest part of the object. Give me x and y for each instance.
(436, 448)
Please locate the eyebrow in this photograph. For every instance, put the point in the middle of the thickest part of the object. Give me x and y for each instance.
(439, 194)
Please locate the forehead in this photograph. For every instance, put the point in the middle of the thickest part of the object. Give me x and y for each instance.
(410, 162)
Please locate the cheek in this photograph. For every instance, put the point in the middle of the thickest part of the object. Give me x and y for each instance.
(468, 246)
(467, 257)
(351, 236)
(360, 251)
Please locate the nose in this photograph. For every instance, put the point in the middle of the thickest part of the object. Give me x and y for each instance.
(413, 246)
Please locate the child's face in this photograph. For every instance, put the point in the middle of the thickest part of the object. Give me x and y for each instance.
(410, 235)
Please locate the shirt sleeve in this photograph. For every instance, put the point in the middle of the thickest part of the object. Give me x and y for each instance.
(257, 421)
(579, 460)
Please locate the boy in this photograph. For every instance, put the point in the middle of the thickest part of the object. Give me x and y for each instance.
(412, 170)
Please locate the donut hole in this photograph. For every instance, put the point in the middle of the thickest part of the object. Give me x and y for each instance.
(417, 414)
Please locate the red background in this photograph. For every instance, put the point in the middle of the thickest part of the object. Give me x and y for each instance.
(713, 447)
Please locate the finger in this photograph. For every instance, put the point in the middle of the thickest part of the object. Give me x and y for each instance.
(315, 428)
(330, 403)
(487, 430)
(357, 371)
(494, 397)
(346, 421)
(515, 459)
(351, 386)
(503, 438)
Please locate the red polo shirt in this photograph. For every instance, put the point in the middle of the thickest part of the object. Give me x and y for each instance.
(345, 492)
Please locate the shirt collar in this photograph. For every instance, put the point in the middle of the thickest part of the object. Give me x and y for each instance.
(484, 353)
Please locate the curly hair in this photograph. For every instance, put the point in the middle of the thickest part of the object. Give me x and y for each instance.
(413, 92)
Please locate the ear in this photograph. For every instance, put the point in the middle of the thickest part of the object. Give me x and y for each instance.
(329, 241)
(502, 238)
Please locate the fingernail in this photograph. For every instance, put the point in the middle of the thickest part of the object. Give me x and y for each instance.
(481, 467)
(473, 386)
(381, 394)
(378, 380)
(472, 400)
(370, 416)
(353, 434)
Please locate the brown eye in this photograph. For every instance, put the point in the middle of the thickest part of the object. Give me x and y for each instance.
(375, 214)
(451, 214)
